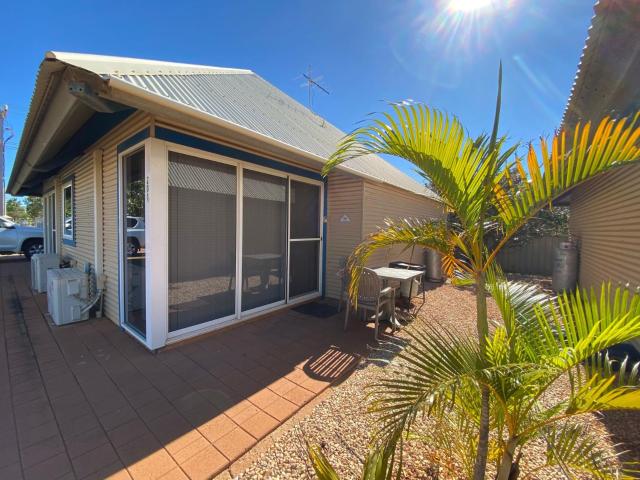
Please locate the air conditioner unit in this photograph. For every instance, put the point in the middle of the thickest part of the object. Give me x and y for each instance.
(40, 263)
(67, 292)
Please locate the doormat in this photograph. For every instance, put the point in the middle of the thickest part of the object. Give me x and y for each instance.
(317, 309)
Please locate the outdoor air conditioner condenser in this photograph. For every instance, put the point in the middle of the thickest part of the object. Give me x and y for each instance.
(67, 292)
(40, 263)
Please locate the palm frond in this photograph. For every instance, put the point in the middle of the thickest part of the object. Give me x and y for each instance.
(378, 464)
(409, 233)
(590, 322)
(455, 164)
(575, 449)
(604, 393)
(559, 167)
(321, 465)
(425, 378)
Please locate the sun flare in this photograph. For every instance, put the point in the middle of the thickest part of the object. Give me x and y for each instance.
(468, 5)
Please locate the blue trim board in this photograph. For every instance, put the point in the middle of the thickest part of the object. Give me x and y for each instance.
(224, 150)
(98, 125)
(133, 139)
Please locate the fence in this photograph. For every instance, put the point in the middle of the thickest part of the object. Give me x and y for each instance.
(535, 257)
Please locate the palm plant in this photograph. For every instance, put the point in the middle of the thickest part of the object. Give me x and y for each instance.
(474, 178)
(539, 342)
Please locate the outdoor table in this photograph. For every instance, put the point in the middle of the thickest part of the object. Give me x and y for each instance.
(400, 274)
(264, 261)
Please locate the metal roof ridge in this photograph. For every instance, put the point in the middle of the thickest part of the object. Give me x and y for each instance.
(584, 62)
(113, 65)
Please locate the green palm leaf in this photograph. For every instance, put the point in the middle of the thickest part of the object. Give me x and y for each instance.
(409, 233)
(612, 144)
(575, 450)
(437, 145)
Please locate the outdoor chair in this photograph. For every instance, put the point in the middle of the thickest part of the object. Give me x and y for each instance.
(344, 281)
(373, 297)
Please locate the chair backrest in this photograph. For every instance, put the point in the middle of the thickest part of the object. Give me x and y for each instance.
(369, 287)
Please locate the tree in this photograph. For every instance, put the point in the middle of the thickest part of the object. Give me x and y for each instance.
(474, 179)
(15, 209)
(33, 209)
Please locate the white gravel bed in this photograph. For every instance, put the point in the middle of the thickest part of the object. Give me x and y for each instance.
(342, 426)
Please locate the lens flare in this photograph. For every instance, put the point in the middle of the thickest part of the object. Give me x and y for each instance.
(468, 5)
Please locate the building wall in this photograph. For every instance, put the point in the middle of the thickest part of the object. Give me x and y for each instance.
(82, 170)
(605, 220)
(344, 225)
(109, 145)
(381, 202)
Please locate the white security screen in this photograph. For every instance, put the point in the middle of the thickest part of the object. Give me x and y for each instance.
(202, 240)
(264, 239)
(304, 244)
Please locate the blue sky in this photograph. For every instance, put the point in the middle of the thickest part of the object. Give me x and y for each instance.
(365, 52)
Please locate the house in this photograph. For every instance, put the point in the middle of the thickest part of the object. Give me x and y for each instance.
(605, 212)
(197, 191)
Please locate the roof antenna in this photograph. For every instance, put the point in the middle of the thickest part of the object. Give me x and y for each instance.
(313, 82)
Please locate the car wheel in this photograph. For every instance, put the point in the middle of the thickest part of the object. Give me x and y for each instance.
(32, 247)
(132, 247)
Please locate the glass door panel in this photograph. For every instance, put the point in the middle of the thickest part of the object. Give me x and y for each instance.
(202, 241)
(264, 239)
(304, 243)
(133, 246)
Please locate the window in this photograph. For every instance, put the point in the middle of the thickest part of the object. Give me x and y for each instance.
(68, 211)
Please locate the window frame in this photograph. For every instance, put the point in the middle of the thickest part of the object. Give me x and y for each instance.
(69, 239)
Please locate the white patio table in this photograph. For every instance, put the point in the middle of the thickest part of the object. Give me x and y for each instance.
(404, 276)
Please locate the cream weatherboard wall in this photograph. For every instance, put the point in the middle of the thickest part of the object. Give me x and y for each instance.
(383, 202)
(356, 208)
(605, 221)
(86, 173)
(344, 225)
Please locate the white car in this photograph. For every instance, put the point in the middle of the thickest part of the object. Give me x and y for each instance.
(16, 238)
(135, 235)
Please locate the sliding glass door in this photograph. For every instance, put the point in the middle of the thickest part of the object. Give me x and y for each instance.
(304, 241)
(264, 239)
(240, 240)
(202, 241)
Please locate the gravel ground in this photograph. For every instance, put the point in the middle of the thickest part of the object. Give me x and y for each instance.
(341, 425)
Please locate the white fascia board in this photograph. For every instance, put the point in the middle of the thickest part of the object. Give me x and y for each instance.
(62, 108)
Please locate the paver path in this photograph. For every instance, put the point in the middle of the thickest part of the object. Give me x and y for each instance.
(87, 401)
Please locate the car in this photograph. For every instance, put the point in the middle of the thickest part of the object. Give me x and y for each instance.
(135, 235)
(23, 239)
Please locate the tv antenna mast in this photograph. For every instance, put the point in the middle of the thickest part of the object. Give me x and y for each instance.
(313, 82)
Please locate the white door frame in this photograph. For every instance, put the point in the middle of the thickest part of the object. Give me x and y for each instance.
(319, 239)
(49, 210)
(157, 243)
(156, 235)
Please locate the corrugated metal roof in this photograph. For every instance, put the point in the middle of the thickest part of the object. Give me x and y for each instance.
(245, 99)
(606, 78)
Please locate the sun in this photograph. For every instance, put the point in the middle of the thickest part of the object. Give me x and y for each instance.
(468, 5)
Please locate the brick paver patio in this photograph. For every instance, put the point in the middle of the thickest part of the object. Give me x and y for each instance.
(87, 401)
